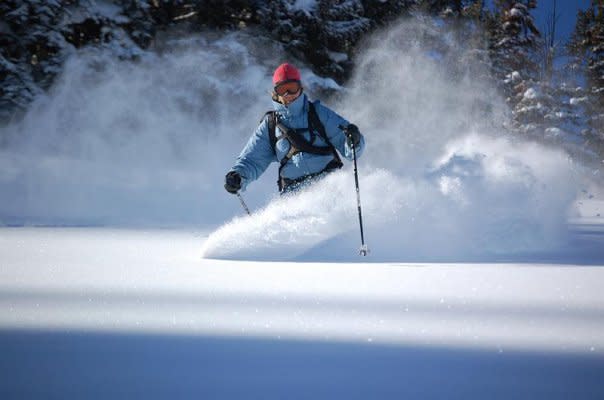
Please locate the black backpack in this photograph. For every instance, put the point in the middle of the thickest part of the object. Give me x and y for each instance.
(297, 141)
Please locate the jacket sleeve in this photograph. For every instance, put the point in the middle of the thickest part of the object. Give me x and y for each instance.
(256, 156)
(332, 122)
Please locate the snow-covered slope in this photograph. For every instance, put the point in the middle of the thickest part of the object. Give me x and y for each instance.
(109, 313)
(156, 281)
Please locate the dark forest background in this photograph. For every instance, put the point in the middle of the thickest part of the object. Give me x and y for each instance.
(554, 90)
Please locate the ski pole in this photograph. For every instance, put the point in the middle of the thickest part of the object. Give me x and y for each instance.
(243, 204)
(363, 250)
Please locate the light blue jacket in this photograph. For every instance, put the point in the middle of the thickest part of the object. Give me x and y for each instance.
(258, 152)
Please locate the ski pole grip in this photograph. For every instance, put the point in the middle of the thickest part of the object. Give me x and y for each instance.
(346, 131)
(352, 134)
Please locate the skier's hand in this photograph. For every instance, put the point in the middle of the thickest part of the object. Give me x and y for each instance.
(232, 182)
(353, 135)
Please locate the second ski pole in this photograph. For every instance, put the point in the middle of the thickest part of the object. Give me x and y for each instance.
(363, 250)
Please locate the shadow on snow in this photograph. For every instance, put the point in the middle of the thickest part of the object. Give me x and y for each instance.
(74, 365)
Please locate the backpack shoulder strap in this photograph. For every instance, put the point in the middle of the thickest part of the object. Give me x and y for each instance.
(272, 123)
(315, 122)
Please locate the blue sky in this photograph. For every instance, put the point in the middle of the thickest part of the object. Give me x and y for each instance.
(567, 11)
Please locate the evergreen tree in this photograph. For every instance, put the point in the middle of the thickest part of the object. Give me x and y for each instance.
(37, 35)
(325, 35)
(587, 45)
(513, 46)
(31, 50)
(561, 121)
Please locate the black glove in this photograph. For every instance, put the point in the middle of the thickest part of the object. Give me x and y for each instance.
(353, 135)
(232, 182)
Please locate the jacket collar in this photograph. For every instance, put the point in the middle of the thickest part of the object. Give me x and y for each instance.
(295, 108)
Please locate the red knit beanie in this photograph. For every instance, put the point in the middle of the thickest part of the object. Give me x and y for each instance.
(285, 72)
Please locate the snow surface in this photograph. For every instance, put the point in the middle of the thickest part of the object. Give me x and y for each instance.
(130, 273)
(106, 313)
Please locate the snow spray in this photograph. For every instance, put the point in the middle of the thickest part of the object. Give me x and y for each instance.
(123, 143)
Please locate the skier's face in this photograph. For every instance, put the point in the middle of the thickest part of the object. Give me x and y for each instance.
(288, 92)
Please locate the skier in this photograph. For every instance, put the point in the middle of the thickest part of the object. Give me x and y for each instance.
(303, 136)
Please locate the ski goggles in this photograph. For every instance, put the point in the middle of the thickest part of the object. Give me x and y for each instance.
(288, 87)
